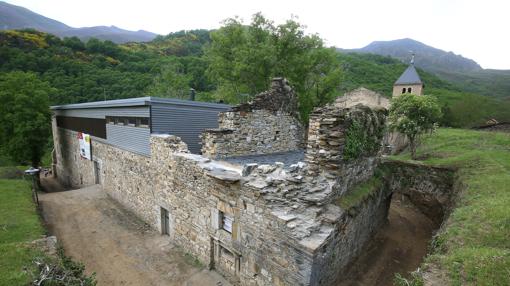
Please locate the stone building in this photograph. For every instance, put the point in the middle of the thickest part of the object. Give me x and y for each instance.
(258, 205)
(408, 82)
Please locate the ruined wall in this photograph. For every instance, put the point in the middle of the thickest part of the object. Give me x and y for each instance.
(268, 124)
(194, 189)
(353, 231)
(334, 234)
(343, 142)
(287, 228)
(363, 96)
(255, 132)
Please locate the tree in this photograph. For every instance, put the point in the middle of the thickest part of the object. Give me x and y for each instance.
(243, 59)
(171, 82)
(414, 115)
(24, 116)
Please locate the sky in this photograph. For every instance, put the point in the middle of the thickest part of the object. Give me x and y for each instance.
(479, 30)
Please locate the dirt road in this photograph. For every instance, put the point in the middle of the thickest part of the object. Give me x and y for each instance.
(115, 244)
(397, 248)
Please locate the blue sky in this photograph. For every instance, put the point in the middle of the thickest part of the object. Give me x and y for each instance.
(475, 29)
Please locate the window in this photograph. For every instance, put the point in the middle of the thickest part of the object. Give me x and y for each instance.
(409, 90)
(403, 90)
(142, 122)
(226, 222)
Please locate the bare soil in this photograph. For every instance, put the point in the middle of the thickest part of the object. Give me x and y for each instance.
(399, 247)
(114, 243)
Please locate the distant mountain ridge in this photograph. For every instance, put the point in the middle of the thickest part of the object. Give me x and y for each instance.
(427, 57)
(15, 17)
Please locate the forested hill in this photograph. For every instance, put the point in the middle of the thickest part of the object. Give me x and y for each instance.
(170, 65)
(16, 17)
(465, 73)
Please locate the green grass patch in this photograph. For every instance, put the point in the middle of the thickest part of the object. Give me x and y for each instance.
(359, 193)
(12, 172)
(192, 260)
(475, 242)
(19, 220)
(19, 224)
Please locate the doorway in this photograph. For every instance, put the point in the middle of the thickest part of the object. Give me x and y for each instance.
(165, 222)
(97, 172)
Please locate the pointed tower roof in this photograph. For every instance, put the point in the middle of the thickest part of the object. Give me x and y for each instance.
(410, 75)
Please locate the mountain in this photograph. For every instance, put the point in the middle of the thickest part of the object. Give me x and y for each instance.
(427, 57)
(15, 17)
(463, 72)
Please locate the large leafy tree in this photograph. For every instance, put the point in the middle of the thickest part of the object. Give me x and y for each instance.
(24, 116)
(243, 59)
(413, 116)
(173, 81)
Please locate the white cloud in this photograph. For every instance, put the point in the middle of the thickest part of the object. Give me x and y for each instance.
(475, 29)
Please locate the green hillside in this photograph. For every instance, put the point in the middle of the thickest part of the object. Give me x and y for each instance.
(170, 65)
(461, 109)
(465, 73)
(494, 83)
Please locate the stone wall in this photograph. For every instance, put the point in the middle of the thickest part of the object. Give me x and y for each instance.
(310, 219)
(248, 133)
(332, 136)
(430, 189)
(268, 124)
(287, 227)
(71, 169)
(194, 190)
(415, 89)
(362, 96)
(353, 230)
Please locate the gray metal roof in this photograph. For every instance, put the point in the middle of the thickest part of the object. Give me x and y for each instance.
(140, 101)
(409, 76)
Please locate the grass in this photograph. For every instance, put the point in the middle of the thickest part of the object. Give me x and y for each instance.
(473, 247)
(12, 172)
(359, 193)
(19, 224)
(192, 260)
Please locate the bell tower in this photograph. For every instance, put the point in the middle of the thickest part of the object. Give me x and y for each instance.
(409, 81)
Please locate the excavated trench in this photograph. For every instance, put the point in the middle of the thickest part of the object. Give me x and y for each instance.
(421, 199)
(399, 247)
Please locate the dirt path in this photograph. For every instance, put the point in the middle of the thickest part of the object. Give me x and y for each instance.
(116, 245)
(398, 248)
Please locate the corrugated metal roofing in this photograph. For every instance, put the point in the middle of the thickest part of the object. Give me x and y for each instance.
(139, 101)
(409, 76)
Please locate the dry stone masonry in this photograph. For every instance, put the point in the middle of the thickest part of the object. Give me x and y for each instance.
(266, 125)
(257, 224)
